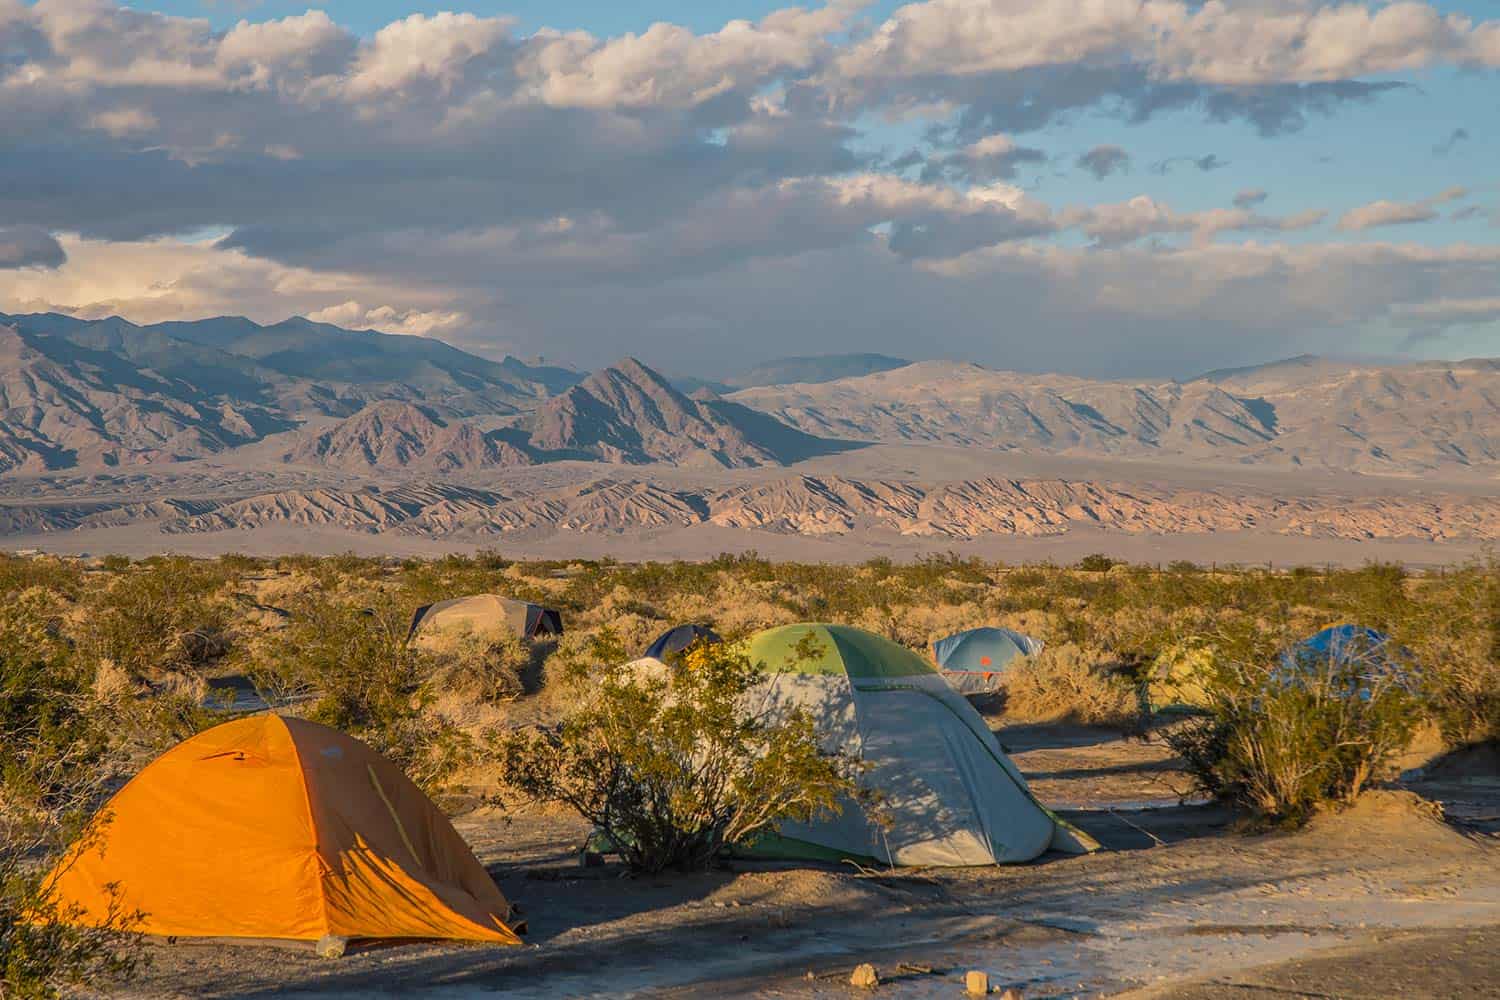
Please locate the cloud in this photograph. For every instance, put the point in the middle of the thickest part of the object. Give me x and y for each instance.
(1128, 311)
(1250, 197)
(29, 246)
(1207, 163)
(1113, 226)
(994, 157)
(450, 174)
(1440, 314)
(157, 280)
(1101, 161)
(1455, 137)
(1265, 60)
(354, 315)
(1397, 213)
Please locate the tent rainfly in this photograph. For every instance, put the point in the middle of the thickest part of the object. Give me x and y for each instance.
(974, 661)
(675, 640)
(949, 795)
(1369, 655)
(482, 614)
(273, 827)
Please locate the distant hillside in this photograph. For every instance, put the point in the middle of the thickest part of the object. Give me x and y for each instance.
(1304, 412)
(87, 393)
(64, 404)
(630, 414)
(395, 436)
(814, 369)
(302, 366)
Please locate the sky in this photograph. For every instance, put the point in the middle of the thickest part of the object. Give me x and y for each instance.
(1111, 188)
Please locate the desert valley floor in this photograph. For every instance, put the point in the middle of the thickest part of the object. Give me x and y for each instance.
(878, 500)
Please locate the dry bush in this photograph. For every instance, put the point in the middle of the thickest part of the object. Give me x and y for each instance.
(480, 669)
(734, 604)
(1070, 683)
(1287, 732)
(1455, 637)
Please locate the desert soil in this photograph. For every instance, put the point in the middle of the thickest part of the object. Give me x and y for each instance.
(1383, 900)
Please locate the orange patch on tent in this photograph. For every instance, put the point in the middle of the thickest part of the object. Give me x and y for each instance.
(984, 661)
(272, 827)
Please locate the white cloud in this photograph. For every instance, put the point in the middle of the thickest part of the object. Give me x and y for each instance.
(436, 50)
(1226, 44)
(1125, 222)
(1397, 213)
(421, 323)
(157, 280)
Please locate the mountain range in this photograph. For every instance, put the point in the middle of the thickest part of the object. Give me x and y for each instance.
(89, 394)
(1305, 412)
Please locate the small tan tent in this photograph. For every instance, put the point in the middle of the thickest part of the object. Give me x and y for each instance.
(484, 614)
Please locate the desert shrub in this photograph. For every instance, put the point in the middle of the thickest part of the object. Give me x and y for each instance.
(1096, 563)
(672, 769)
(481, 669)
(1067, 682)
(19, 573)
(160, 617)
(1455, 636)
(55, 763)
(1282, 737)
(362, 678)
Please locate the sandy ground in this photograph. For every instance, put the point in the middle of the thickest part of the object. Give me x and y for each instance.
(1178, 905)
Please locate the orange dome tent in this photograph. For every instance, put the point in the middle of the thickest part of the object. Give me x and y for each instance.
(272, 827)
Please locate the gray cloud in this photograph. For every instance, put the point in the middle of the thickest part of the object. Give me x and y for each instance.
(1101, 161)
(1250, 197)
(29, 246)
(992, 158)
(1206, 163)
(1455, 137)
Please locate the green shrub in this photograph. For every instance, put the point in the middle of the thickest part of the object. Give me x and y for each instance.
(671, 769)
(1096, 563)
(161, 617)
(55, 765)
(1281, 739)
(361, 677)
(1455, 636)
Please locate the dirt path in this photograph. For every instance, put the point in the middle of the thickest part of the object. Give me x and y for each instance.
(1439, 965)
(1175, 898)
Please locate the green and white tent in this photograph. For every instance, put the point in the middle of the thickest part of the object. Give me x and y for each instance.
(948, 795)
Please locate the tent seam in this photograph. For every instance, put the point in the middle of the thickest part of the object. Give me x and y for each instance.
(312, 826)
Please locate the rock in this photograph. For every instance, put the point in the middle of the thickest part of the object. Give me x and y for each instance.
(865, 977)
(330, 946)
(976, 983)
(1011, 994)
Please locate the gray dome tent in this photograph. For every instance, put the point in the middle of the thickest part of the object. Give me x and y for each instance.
(974, 661)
